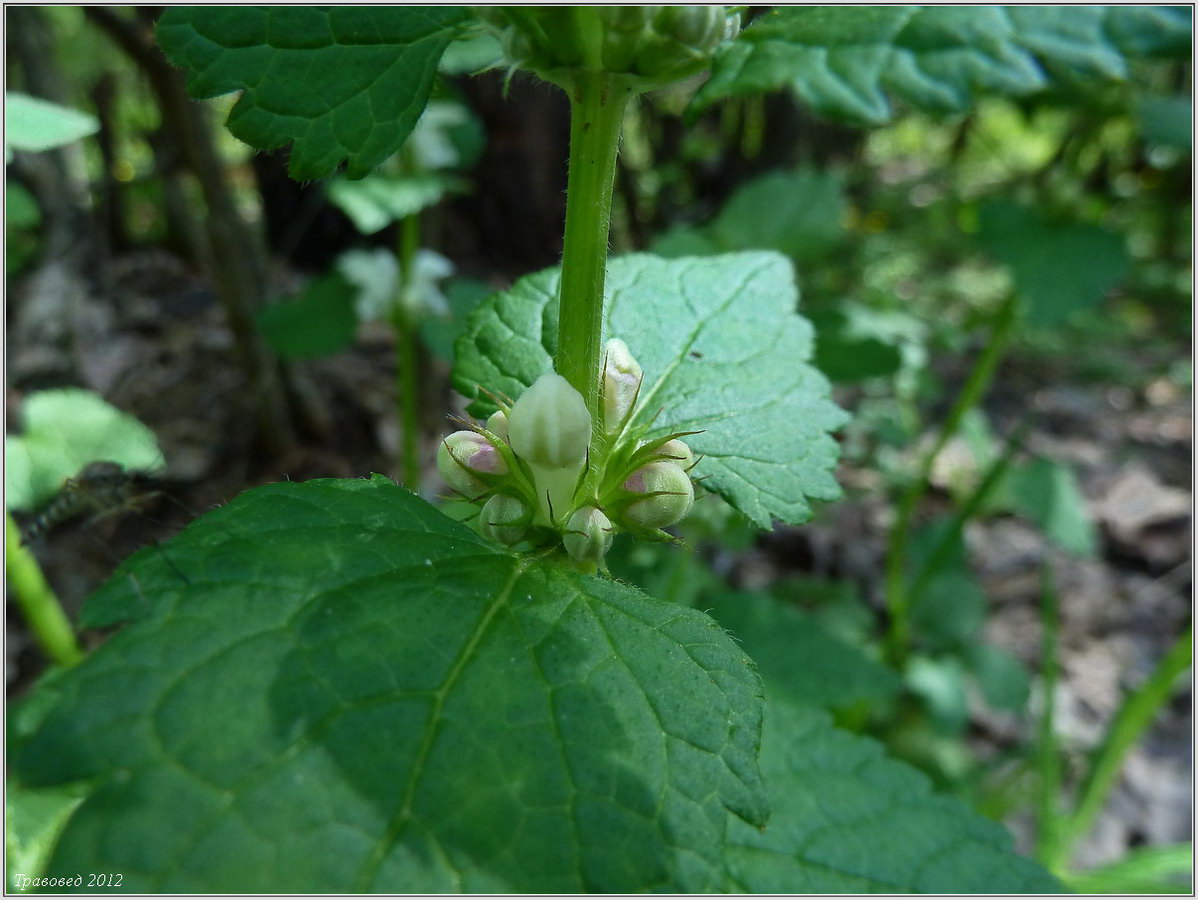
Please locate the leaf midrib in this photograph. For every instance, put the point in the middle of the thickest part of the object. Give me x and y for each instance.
(403, 815)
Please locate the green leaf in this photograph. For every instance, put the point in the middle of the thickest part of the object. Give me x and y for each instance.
(32, 822)
(1047, 492)
(843, 61)
(950, 609)
(1004, 680)
(847, 819)
(797, 657)
(374, 202)
(342, 83)
(940, 683)
(20, 207)
(846, 356)
(799, 214)
(33, 124)
(685, 241)
(440, 332)
(320, 322)
(723, 352)
(1166, 119)
(332, 687)
(64, 430)
(1060, 268)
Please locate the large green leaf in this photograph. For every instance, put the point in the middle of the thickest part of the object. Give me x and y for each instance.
(332, 687)
(847, 819)
(844, 60)
(723, 353)
(342, 82)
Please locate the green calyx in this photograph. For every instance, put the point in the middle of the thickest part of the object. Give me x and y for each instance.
(541, 482)
(649, 45)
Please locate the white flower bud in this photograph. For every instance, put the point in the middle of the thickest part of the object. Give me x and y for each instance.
(621, 381)
(671, 495)
(588, 535)
(678, 452)
(505, 519)
(497, 424)
(463, 453)
(549, 425)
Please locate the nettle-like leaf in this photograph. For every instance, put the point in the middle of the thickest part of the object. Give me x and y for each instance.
(332, 687)
(847, 819)
(723, 352)
(344, 83)
(843, 61)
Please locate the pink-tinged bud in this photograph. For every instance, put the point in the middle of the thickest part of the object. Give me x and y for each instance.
(670, 495)
(588, 535)
(549, 425)
(505, 519)
(464, 453)
(621, 382)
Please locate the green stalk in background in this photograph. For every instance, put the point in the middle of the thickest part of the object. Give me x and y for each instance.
(407, 390)
(1049, 820)
(597, 104)
(1135, 715)
(898, 597)
(50, 626)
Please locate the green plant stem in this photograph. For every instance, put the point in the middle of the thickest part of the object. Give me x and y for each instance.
(944, 546)
(1146, 870)
(49, 624)
(597, 104)
(1049, 823)
(1135, 715)
(897, 593)
(407, 391)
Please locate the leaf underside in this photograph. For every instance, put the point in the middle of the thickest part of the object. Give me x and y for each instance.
(846, 62)
(332, 687)
(344, 83)
(723, 352)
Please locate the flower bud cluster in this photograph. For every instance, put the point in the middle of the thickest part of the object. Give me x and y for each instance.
(651, 44)
(541, 480)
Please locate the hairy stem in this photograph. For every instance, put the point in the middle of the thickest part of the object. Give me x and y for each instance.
(597, 102)
(50, 626)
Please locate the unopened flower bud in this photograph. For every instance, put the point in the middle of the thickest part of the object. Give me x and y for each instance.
(677, 452)
(621, 381)
(670, 495)
(505, 519)
(464, 453)
(588, 535)
(698, 27)
(549, 425)
(497, 425)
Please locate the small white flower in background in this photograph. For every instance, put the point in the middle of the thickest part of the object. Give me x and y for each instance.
(375, 273)
(430, 143)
